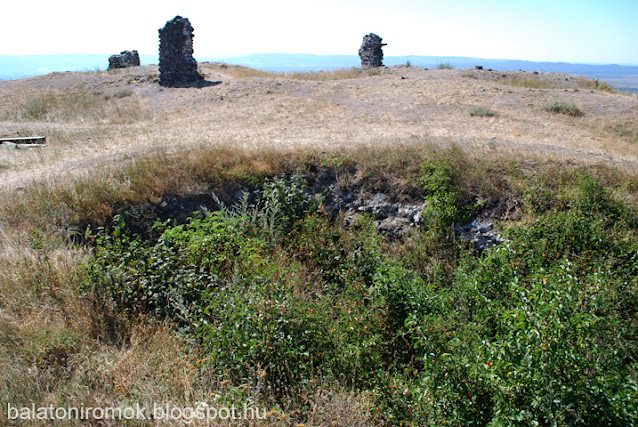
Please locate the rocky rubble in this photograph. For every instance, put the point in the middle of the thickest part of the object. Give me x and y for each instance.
(481, 233)
(391, 218)
(127, 58)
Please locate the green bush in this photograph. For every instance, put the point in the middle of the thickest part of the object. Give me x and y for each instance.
(540, 330)
(537, 332)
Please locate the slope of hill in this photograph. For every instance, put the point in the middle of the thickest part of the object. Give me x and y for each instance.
(397, 246)
(127, 112)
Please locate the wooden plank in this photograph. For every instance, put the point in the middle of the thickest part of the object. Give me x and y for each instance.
(40, 140)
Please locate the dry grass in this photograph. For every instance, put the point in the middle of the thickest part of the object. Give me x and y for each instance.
(596, 84)
(620, 131)
(277, 111)
(113, 107)
(340, 74)
(627, 130)
(94, 198)
(534, 81)
(240, 72)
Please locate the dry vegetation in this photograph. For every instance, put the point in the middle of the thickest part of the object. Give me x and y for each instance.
(117, 140)
(240, 72)
(102, 118)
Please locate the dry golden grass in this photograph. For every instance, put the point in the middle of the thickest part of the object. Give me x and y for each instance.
(69, 107)
(533, 82)
(596, 84)
(340, 74)
(625, 129)
(241, 72)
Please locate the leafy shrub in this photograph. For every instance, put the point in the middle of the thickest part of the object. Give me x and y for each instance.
(279, 204)
(535, 332)
(539, 330)
(445, 66)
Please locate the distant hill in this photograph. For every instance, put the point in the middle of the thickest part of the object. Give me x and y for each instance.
(620, 76)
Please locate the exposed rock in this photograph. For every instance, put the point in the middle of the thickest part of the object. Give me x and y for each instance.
(371, 52)
(391, 218)
(177, 66)
(479, 232)
(394, 226)
(128, 58)
(379, 206)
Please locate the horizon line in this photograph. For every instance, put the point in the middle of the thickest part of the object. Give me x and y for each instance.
(344, 55)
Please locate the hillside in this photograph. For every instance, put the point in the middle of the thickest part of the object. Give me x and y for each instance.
(256, 109)
(397, 246)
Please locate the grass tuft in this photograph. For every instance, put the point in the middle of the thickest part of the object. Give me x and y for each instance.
(563, 107)
(482, 111)
(445, 66)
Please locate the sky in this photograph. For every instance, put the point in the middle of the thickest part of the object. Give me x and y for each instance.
(580, 31)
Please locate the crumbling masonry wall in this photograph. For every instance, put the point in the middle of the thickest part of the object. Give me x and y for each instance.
(371, 52)
(124, 59)
(177, 66)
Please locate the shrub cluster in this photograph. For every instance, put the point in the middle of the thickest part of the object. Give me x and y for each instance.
(540, 330)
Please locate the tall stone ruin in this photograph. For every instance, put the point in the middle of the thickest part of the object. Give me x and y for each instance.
(177, 66)
(125, 59)
(371, 52)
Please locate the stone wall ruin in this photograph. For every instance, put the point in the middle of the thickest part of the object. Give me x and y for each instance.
(125, 59)
(177, 66)
(371, 52)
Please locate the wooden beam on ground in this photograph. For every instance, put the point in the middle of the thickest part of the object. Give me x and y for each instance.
(27, 140)
(18, 142)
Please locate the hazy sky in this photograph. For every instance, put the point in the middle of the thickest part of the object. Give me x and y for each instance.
(586, 31)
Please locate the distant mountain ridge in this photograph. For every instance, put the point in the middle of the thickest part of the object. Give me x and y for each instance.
(624, 77)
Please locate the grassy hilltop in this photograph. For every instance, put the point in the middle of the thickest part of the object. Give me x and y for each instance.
(277, 293)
